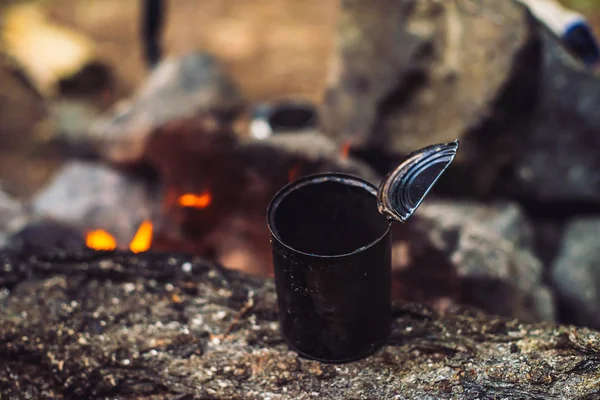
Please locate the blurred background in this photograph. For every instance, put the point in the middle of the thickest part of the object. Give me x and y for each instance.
(271, 48)
(182, 156)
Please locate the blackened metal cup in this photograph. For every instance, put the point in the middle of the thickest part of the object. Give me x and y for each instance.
(331, 243)
(332, 261)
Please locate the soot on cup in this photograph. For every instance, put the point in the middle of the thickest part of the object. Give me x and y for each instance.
(332, 262)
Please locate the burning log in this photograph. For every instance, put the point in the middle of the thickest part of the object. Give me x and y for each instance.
(111, 324)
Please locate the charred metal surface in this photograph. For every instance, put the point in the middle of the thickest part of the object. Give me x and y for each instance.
(115, 325)
(332, 256)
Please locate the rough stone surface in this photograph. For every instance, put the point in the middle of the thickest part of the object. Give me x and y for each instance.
(181, 87)
(151, 326)
(41, 235)
(559, 157)
(576, 272)
(374, 49)
(479, 49)
(474, 254)
(408, 74)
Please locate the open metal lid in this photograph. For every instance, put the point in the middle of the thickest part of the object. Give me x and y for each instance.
(403, 190)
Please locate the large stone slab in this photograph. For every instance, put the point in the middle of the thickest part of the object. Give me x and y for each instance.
(93, 325)
(408, 74)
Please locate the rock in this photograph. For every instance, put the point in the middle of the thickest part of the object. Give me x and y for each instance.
(93, 196)
(507, 220)
(314, 148)
(43, 235)
(374, 51)
(559, 159)
(95, 325)
(13, 216)
(473, 254)
(73, 118)
(576, 272)
(409, 74)
(179, 88)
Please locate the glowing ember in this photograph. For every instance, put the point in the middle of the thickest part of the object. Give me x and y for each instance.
(195, 200)
(345, 151)
(100, 240)
(294, 172)
(142, 239)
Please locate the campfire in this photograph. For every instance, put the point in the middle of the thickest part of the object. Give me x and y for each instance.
(158, 177)
(99, 239)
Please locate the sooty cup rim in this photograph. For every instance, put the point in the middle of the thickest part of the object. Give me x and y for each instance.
(315, 179)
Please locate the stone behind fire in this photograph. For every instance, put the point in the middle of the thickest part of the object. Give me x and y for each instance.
(179, 88)
(560, 157)
(408, 74)
(576, 272)
(483, 72)
(42, 236)
(484, 254)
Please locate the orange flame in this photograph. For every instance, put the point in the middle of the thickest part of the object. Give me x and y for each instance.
(195, 201)
(100, 240)
(142, 239)
(345, 151)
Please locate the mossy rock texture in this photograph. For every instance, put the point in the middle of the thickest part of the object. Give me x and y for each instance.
(92, 325)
